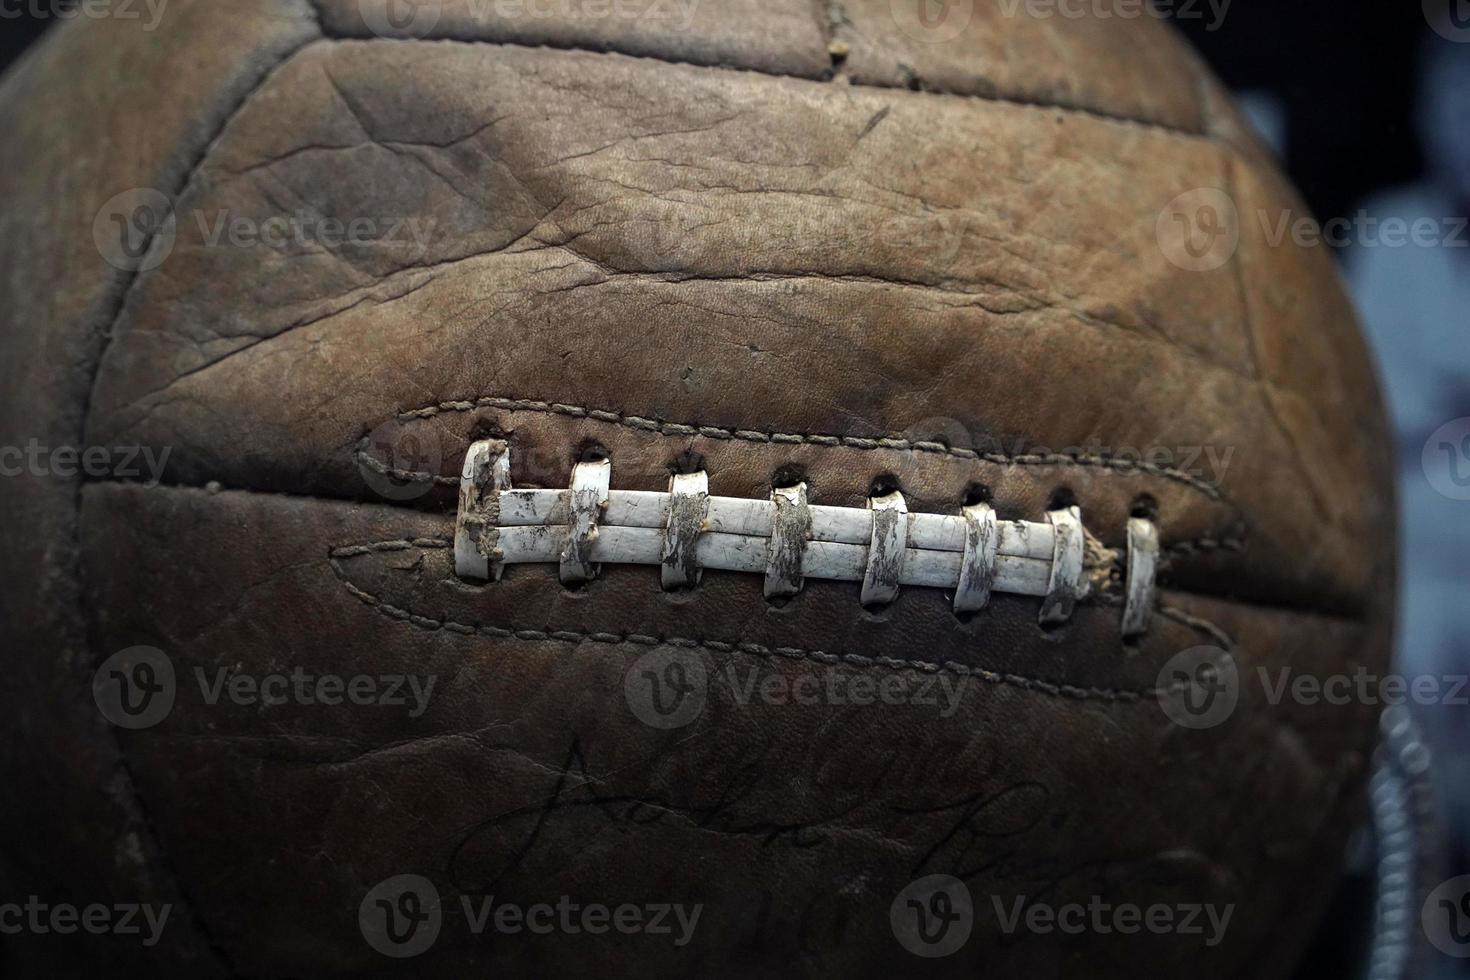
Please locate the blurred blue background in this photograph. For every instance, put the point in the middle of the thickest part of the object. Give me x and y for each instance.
(1368, 107)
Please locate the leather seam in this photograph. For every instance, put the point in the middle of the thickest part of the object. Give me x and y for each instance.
(143, 813)
(661, 427)
(1071, 692)
(1015, 100)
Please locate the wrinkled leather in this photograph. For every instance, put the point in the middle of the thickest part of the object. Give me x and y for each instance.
(722, 229)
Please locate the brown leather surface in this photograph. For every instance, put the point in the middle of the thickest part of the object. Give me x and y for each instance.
(657, 242)
(1086, 63)
(95, 109)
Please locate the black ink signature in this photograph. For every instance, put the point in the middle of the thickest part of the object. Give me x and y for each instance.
(578, 791)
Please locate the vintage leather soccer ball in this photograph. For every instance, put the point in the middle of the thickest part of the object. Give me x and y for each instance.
(898, 451)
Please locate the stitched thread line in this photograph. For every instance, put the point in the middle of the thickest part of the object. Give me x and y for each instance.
(396, 613)
(139, 810)
(1204, 545)
(1013, 99)
(679, 429)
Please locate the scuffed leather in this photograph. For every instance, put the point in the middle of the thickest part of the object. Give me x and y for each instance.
(716, 242)
(94, 109)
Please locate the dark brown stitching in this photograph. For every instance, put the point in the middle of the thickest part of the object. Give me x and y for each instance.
(1205, 545)
(1034, 684)
(1017, 100)
(143, 815)
(691, 430)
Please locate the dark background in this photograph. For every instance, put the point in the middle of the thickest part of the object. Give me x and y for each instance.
(16, 35)
(1343, 75)
(1346, 74)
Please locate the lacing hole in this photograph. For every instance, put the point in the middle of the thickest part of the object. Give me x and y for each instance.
(687, 462)
(964, 618)
(591, 451)
(1053, 630)
(1061, 499)
(1146, 507)
(488, 429)
(883, 486)
(978, 493)
(788, 476)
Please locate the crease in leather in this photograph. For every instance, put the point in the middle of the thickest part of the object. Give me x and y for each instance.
(1103, 461)
(1038, 685)
(124, 291)
(997, 99)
